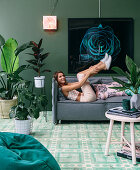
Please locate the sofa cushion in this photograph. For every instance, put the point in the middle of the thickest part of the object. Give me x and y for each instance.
(103, 91)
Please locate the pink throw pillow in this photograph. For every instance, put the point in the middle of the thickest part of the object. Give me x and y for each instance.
(103, 91)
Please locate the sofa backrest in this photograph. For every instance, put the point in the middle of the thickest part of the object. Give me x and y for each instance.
(96, 79)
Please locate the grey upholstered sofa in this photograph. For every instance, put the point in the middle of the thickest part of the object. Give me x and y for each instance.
(85, 111)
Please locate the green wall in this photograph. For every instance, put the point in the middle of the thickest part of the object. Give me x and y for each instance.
(22, 20)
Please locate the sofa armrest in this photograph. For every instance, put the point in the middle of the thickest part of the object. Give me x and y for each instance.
(54, 100)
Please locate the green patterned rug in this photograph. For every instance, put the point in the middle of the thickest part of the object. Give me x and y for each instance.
(79, 145)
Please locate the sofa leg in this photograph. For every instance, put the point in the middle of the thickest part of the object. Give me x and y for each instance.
(56, 122)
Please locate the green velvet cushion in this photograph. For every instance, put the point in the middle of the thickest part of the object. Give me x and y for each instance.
(130, 93)
(23, 152)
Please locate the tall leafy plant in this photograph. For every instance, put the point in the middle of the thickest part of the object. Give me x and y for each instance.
(10, 66)
(133, 76)
(38, 61)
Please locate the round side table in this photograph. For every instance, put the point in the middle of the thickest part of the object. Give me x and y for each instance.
(122, 119)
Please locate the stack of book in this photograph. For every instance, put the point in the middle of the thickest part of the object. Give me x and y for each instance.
(119, 111)
(126, 152)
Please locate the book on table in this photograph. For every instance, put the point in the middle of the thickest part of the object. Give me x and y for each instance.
(126, 152)
(121, 112)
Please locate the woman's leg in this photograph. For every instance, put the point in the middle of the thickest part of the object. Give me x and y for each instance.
(94, 69)
(87, 95)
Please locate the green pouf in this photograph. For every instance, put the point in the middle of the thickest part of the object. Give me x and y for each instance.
(23, 152)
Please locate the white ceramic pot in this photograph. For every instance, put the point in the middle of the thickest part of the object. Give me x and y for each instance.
(23, 126)
(135, 101)
(39, 81)
(5, 106)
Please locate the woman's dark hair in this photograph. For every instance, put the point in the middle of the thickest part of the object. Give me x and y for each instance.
(55, 75)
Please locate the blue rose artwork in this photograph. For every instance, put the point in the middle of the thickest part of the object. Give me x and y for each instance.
(97, 41)
(90, 38)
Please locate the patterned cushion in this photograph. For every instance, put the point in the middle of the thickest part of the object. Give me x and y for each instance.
(103, 91)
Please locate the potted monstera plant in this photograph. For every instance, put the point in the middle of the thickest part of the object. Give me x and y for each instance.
(37, 63)
(29, 106)
(133, 84)
(9, 75)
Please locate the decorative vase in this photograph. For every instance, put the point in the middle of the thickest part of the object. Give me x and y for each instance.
(5, 106)
(39, 81)
(24, 126)
(135, 101)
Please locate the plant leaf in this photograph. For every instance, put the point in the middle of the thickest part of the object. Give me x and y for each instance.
(23, 47)
(46, 70)
(36, 69)
(129, 63)
(118, 88)
(44, 56)
(2, 41)
(9, 54)
(40, 43)
(33, 61)
(21, 68)
(124, 84)
(120, 72)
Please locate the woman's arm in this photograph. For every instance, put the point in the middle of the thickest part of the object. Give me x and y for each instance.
(75, 85)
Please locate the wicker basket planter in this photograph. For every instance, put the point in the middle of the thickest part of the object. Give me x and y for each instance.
(5, 106)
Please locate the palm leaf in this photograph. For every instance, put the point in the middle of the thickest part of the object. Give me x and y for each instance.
(129, 63)
(118, 88)
(120, 71)
(124, 84)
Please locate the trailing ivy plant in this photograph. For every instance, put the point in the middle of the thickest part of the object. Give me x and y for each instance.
(9, 75)
(38, 62)
(133, 76)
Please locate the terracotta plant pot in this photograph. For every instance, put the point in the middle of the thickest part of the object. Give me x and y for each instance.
(5, 106)
(39, 81)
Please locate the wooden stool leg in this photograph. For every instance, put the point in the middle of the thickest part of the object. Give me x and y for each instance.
(122, 132)
(133, 142)
(109, 137)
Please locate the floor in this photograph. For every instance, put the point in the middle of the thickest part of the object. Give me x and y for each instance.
(79, 145)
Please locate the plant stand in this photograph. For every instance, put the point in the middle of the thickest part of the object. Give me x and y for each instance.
(41, 91)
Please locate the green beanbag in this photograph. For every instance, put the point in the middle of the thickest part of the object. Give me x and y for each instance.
(23, 152)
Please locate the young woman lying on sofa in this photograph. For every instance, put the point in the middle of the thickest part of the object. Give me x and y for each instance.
(87, 94)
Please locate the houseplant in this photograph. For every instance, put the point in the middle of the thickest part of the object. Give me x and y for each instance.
(133, 84)
(28, 107)
(10, 73)
(37, 63)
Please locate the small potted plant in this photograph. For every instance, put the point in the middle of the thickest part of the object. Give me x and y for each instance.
(9, 75)
(29, 106)
(37, 63)
(133, 84)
